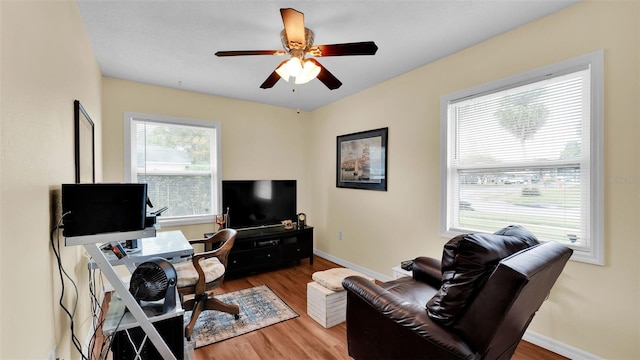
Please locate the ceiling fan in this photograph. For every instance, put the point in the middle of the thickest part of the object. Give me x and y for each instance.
(297, 41)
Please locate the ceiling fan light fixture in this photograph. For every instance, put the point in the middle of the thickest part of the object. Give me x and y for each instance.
(282, 72)
(293, 66)
(309, 72)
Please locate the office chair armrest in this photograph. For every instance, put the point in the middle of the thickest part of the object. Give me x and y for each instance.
(222, 253)
(200, 241)
(219, 252)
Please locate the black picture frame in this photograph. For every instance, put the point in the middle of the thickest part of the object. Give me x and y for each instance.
(85, 145)
(361, 160)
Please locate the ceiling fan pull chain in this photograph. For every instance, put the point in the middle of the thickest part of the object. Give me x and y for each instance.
(297, 98)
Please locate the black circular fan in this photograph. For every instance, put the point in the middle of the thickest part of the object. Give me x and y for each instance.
(153, 280)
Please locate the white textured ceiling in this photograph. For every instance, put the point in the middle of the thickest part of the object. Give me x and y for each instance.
(172, 43)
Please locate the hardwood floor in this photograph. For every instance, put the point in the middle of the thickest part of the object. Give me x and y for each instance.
(302, 337)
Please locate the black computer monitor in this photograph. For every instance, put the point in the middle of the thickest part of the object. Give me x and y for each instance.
(91, 209)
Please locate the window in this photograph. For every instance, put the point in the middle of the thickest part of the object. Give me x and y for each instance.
(527, 150)
(179, 159)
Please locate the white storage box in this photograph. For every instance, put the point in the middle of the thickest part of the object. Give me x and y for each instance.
(325, 306)
(329, 307)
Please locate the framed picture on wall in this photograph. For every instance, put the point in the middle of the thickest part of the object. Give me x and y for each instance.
(361, 160)
(85, 148)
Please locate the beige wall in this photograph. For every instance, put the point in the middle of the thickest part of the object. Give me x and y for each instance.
(592, 308)
(258, 141)
(47, 62)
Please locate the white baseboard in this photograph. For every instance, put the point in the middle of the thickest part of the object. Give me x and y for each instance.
(352, 266)
(558, 347)
(530, 336)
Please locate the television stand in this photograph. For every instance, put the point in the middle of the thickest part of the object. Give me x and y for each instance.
(264, 248)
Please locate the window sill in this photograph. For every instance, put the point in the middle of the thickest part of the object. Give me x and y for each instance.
(186, 220)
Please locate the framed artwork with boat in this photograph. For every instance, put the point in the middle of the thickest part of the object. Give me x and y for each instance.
(361, 160)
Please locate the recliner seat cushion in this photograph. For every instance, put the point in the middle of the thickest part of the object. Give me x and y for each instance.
(467, 261)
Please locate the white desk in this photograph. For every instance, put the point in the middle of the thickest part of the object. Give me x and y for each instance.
(170, 245)
(90, 243)
(117, 319)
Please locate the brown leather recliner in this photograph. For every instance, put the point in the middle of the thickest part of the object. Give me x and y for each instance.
(474, 304)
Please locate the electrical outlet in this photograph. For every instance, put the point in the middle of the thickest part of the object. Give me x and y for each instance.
(339, 235)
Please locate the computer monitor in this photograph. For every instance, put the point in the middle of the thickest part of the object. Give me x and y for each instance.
(90, 209)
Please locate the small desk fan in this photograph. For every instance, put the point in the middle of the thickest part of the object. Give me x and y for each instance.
(154, 280)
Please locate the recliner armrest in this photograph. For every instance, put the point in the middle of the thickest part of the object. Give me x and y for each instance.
(381, 299)
(408, 318)
(428, 270)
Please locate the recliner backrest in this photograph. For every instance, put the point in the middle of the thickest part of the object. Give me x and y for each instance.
(498, 316)
(467, 262)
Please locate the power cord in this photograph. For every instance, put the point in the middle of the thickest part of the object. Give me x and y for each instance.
(107, 341)
(98, 320)
(76, 342)
(96, 307)
(115, 331)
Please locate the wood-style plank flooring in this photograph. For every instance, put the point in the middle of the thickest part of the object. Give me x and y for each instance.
(302, 337)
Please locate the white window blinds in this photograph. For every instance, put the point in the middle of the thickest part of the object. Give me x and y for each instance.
(521, 153)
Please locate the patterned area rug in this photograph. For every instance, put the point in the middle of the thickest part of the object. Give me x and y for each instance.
(259, 308)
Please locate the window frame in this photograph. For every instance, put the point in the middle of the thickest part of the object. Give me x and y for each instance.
(216, 171)
(593, 252)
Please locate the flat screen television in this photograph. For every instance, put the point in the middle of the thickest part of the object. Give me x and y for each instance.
(257, 203)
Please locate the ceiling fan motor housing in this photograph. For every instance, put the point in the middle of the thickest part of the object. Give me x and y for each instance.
(308, 38)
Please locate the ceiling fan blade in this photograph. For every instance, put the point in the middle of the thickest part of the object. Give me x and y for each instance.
(326, 77)
(358, 48)
(293, 21)
(250, 52)
(272, 79)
